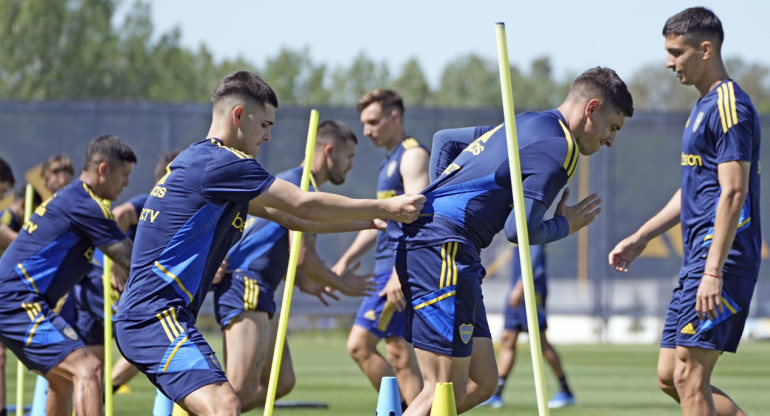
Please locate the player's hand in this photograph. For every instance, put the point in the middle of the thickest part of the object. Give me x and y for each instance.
(580, 214)
(393, 293)
(404, 208)
(355, 285)
(312, 288)
(709, 297)
(119, 277)
(379, 224)
(516, 295)
(626, 251)
(221, 272)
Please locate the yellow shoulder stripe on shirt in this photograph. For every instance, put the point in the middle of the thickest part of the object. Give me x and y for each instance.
(410, 142)
(105, 210)
(570, 160)
(238, 153)
(6, 218)
(726, 103)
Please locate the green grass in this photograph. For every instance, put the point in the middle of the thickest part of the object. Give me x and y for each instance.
(607, 380)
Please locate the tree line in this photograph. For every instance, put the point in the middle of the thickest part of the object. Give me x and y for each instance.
(74, 50)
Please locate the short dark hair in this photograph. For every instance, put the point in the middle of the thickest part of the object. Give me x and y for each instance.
(389, 100)
(336, 132)
(108, 148)
(6, 174)
(165, 159)
(21, 194)
(246, 85)
(605, 83)
(58, 163)
(696, 24)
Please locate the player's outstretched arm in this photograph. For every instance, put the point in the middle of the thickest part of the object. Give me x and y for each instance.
(628, 249)
(312, 266)
(325, 207)
(566, 220)
(295, 223)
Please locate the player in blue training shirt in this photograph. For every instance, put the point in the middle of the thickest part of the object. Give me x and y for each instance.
(244, 302)
(437, 256)
(516, 322)
(51, 253)
(381, 316)
(718, 208)
(195, 213)
(7, 181)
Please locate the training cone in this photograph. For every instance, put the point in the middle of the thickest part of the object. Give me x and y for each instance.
(389, 401)
(444, 401)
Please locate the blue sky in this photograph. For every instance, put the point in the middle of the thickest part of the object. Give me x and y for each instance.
(624, 35)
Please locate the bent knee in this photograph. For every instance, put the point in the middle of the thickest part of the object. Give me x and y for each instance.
(358, 349)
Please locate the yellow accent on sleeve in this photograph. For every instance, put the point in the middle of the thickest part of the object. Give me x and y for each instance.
(31, 281)
(570, 160)
(410, 143)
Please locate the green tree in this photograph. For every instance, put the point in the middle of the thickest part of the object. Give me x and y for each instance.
(412, 85)
(656, 89)
(469, 82)
(296, 79)
(363, 75)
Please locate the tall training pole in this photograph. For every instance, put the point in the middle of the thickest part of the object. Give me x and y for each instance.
(107, 293)
(521, 219)
(288, 288)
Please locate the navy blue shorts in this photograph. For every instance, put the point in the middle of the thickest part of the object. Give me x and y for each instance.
(241, 291)
(516, 318)
(684, 328)
(170, 351)
(442, 285)
(378, 318)
(38, 336)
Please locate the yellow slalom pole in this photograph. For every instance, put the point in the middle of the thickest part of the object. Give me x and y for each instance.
(107, 293)
(283, 320)
(28, 198)
(521, 219)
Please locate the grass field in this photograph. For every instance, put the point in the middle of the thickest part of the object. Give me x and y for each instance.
(607, 380)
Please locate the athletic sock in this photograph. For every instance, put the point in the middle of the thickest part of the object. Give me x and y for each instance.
(564, 385)
(403, 405)
(500, 386)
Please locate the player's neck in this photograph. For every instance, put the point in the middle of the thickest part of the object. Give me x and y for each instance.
(397, 139)
(712, 78)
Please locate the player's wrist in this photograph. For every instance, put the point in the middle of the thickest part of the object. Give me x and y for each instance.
(717, 276)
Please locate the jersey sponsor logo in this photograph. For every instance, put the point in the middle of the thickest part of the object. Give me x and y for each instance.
(148, 214)
(239, 223)
(158, 191)
(466, 332)
(391, 168)
(29, 227)
(688, 329)
(698, 120)
(691, 160)
(390, 193)
(451, 168)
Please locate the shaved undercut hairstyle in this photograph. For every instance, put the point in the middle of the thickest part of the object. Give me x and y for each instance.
(108, 148)
(696, 24)
(245, 85)
(602, 82)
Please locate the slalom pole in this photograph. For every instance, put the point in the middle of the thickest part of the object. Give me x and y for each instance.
(521, 219)
(283, 320)
(28, 198)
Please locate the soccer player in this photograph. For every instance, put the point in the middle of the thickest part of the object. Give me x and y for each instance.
(57, 172)
(7, 234)
(437, 256)
(516, 322)
(404, 170)
(51, 253)
(244, 302)
(7, 181)
(718, 208)
(195, 213)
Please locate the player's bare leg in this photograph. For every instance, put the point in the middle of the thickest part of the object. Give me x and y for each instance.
(404, 363)
(217, 399)
(482, 374)
(437, 368)
(362, 347)
(247, 342)
(84, 369)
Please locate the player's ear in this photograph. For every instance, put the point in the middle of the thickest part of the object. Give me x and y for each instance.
(102, 168)
(707, 49)
(328, 149)
(592, 106)
(236, 114)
